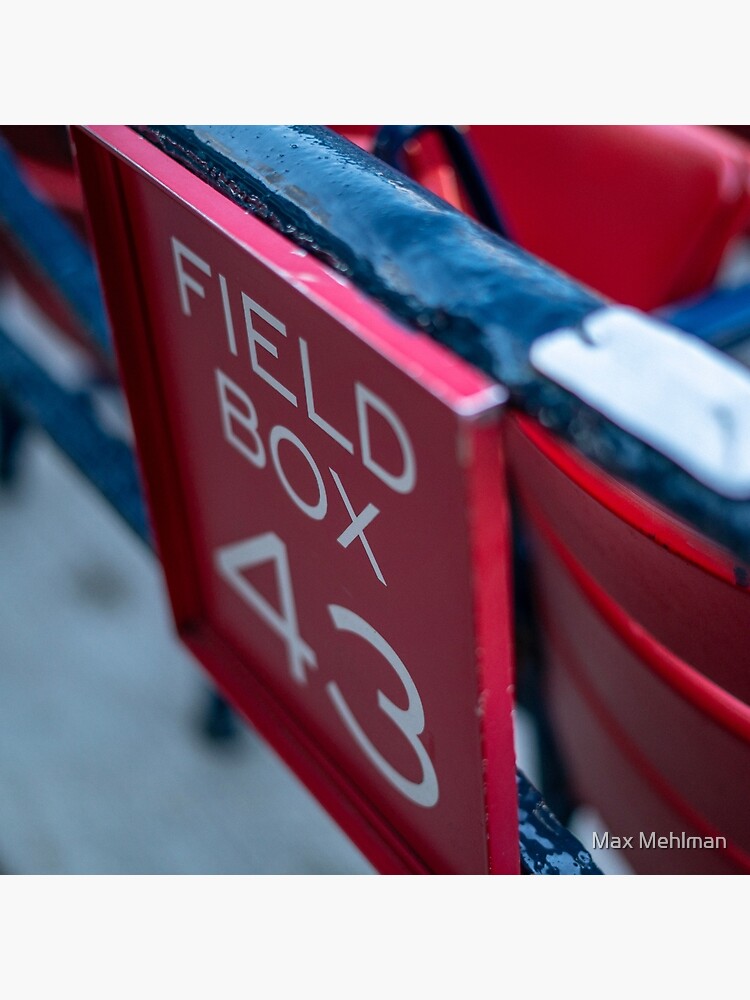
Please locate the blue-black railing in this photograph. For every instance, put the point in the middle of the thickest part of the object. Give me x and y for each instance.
(440, 272)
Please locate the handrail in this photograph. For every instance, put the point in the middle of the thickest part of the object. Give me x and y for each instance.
(442, 274)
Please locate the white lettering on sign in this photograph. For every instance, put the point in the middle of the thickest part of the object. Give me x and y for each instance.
(246, 417)
(228, 321)
(315, 417)
(241, 430)
(254, 338)
(405, 480)
(357, 527)
(671, 390)
(232, 561)
(184, 281)
(316, 511)
(378, 425)
(370, 408)
(395, 468)
(410, 720)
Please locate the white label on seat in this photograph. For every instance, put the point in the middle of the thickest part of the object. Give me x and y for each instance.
(671, 390)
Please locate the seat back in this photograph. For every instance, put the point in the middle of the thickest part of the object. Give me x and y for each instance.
(648, 673)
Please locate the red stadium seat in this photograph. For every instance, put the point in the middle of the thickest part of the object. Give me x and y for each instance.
(645, 633)
(641, 213)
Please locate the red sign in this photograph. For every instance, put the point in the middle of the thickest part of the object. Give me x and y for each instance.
(327, 494)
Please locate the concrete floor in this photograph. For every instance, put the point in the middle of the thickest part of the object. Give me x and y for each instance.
(102, 769)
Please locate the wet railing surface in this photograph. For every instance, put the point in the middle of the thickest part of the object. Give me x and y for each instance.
(441, 273)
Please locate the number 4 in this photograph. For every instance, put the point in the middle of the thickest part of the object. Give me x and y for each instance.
(233, 560)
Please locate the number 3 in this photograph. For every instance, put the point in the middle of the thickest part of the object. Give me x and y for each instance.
(409, 720)
(233, 560)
